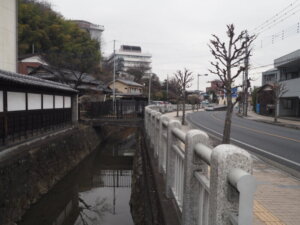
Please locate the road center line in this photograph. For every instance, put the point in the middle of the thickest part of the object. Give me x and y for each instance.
(258, 131)
(250, 146)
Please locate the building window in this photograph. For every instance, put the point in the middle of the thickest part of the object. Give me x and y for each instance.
(287, 103)
(290, 75)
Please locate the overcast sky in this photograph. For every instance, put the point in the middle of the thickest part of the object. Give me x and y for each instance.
(176, 32)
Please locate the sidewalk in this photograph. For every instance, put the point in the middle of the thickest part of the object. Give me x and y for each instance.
(281, 122)
(277, 197)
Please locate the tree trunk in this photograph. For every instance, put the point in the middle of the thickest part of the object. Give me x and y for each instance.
(275, 111)
(227, 125)
(183, 109)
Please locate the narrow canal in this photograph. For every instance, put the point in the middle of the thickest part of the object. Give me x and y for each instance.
(96, 192)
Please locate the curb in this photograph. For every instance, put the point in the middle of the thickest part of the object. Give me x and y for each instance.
(296, 127)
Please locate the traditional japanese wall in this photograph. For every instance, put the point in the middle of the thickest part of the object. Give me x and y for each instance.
(1, 101)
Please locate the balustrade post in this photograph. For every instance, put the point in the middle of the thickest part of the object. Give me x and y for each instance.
(170, 157)
(223, 198)
(162, 142)
(145, 120)
(192, 163)
(156, 133)
(152, 128)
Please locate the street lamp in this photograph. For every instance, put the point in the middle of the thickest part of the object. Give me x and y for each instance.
(200, 75)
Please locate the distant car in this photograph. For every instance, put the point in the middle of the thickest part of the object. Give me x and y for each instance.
(157, 102)
(209, 108)
(161, 103)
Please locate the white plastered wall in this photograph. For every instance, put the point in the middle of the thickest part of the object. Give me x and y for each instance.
(59, 102)
(67, 102)
(16, 101)
(47, 101)
(34, 101)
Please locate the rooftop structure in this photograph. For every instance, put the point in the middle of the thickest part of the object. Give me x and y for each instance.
(290, 60)
(94, 30)
(130, 57)
(27, 63)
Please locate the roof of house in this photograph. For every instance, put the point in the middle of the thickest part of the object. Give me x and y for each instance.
(266, 87)
(47, 72)
(99, 88)
(33, 81)
(128, 82)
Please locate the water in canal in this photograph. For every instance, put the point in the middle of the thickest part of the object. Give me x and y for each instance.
(96, 192)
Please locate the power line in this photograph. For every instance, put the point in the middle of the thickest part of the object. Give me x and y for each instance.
(280, 21)
(274, 17)
(280, 36)
(271, 64)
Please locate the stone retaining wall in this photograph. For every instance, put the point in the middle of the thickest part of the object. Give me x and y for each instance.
(36, 168)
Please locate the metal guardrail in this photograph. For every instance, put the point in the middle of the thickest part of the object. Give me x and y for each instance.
(210, 186)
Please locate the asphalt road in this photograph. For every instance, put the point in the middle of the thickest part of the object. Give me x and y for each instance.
(274, 142)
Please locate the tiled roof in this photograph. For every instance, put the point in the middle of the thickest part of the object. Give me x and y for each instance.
(129, 82)
(47, 72)
(33, 81)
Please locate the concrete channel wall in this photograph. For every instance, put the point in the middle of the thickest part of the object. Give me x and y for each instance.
(30, 170)
(210, 186)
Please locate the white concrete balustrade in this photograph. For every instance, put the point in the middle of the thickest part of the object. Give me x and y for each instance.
(210, 186)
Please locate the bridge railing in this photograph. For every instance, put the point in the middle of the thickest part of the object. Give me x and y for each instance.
(120, 109)
(172, 107)
(210, 186)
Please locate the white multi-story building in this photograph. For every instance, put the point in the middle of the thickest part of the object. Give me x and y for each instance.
(130, 57)
(8, 35)
(94, 30)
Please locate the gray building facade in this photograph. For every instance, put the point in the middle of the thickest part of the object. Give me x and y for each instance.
(286, 71)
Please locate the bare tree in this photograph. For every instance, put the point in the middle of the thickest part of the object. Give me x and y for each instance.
(229, 65)
(279, 89)
(175, 92)
(184, 79)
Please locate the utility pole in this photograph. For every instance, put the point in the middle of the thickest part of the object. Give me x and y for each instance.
(149, 94)
(114, 79)
(198, 82)
(199, 75)
(245, 108)
(167, 87)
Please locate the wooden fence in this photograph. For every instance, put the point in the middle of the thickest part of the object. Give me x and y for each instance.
(19, 125)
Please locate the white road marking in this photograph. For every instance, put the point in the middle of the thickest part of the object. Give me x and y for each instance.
(251, 146)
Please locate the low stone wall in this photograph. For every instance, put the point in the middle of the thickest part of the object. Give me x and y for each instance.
(36, 168)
